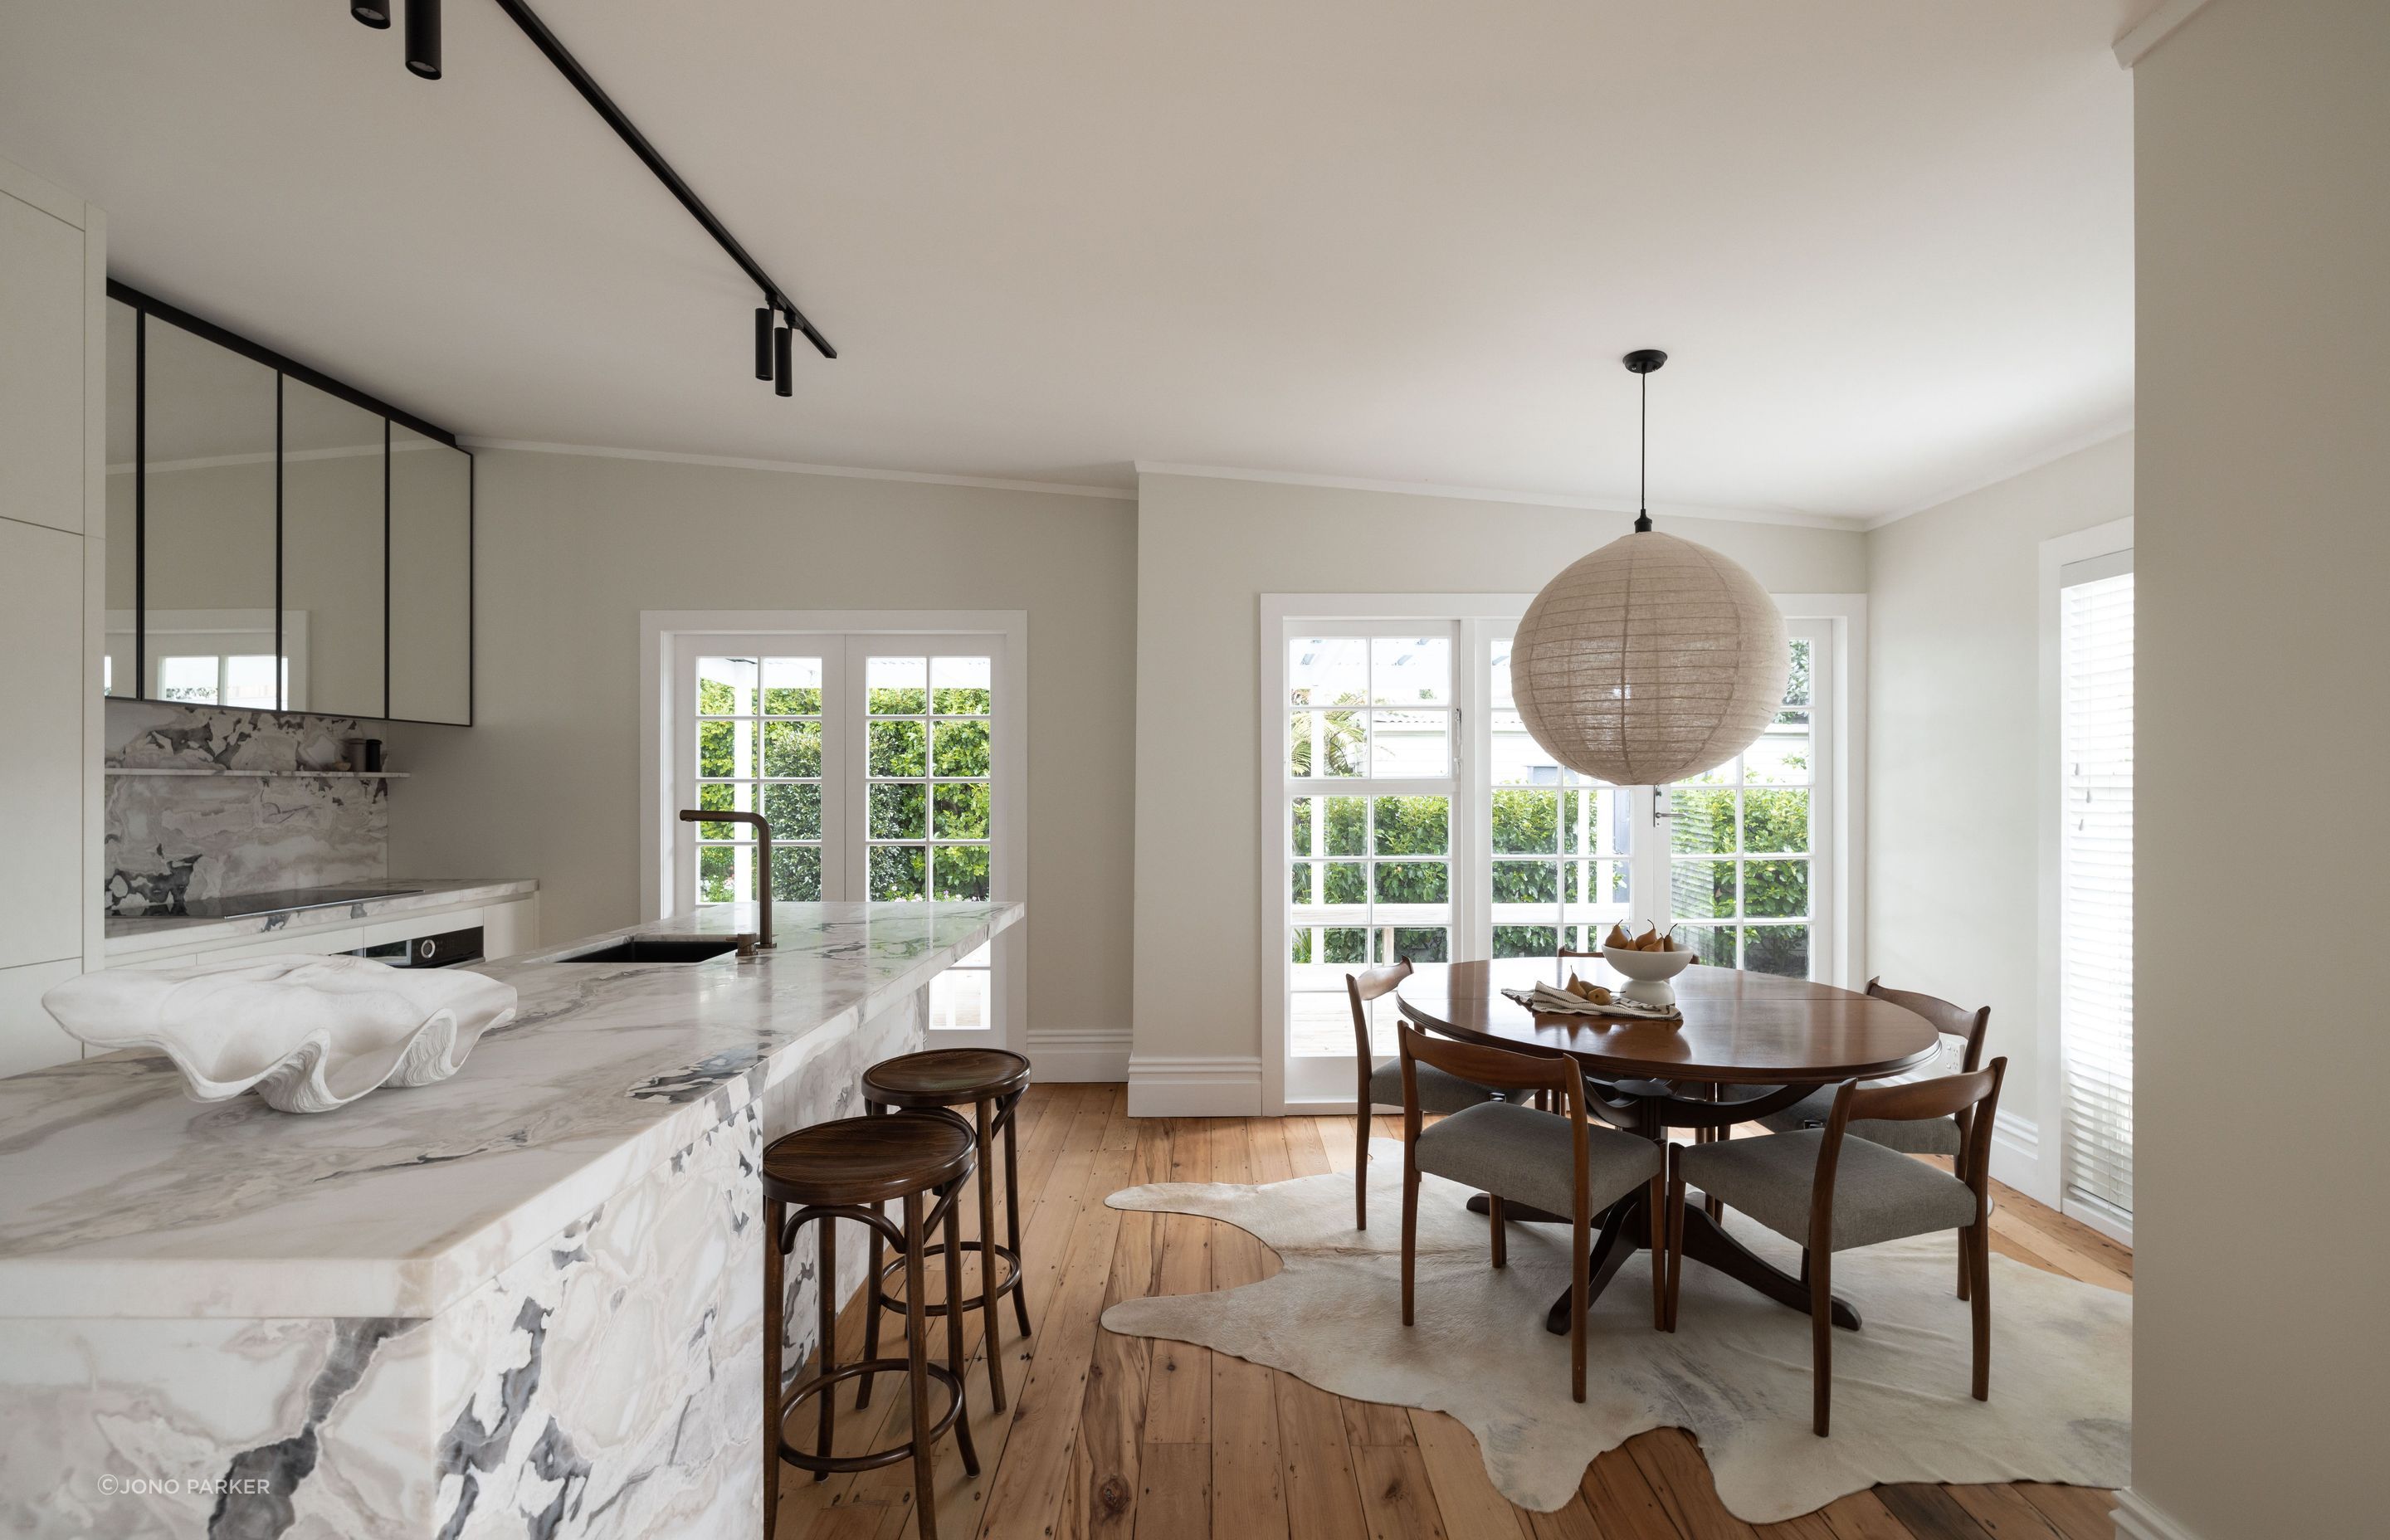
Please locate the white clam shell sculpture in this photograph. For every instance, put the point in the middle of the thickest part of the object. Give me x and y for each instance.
(308, 1033)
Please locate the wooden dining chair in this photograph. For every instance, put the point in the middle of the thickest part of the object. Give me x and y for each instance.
(1562, 1163)
(1832, 1191)
(1381, 1085)
(1927, 1137)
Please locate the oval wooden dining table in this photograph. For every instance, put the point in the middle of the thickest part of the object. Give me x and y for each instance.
(1748, 1045)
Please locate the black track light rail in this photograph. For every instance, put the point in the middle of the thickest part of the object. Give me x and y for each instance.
(595, 94)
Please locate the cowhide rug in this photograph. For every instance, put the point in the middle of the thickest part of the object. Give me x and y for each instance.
(1735, 1372)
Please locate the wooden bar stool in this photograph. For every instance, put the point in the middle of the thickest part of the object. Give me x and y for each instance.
(846, 1170)
(991, 1080)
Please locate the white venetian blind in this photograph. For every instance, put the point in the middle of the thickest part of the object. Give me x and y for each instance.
(2096, 879)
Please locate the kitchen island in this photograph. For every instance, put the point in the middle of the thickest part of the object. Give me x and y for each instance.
(524, 1300)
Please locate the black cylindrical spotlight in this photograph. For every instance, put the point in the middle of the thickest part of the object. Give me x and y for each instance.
(782, 384)
(763, 342)
(423, 38)
(373, 13)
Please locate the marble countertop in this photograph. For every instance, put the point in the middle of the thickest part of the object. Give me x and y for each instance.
(122, 1197)
(133, 935)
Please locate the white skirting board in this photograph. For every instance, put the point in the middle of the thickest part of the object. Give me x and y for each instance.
(2138, 1519)
(1074, 1054)
(2016, 1158)
(1207, 1085)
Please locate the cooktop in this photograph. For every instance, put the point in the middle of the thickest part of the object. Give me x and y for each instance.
(234, 905)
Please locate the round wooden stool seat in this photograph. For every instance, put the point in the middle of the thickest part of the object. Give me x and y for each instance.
(858, 1161)
(944, 1077)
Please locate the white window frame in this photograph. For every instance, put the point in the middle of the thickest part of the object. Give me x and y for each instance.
(844, 638)
(1320, 1084)
(2043, 1176)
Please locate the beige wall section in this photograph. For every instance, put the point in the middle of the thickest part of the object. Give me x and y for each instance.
(1207, 549)
(1954, 781)
(546, 784)
(2260, 1393)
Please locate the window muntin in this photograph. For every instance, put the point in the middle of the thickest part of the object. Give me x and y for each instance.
(1562, 845)
(1372, 737)
(1740, 845)
(759, 749)
(927, 741)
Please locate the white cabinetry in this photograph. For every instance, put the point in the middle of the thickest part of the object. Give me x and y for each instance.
(53, 350)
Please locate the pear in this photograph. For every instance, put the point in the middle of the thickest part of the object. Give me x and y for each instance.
(1618, 938)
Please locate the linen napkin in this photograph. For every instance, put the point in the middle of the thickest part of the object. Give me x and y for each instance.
(1554, 1001)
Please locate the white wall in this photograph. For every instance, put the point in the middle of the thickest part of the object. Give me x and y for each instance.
(1207, 549)
(572, 548)
(1954, 747)
(2259, 1386)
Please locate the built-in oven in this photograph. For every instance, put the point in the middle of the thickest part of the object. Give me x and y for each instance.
(446, 949)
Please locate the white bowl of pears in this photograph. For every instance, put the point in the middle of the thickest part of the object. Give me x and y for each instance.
(1647, 962)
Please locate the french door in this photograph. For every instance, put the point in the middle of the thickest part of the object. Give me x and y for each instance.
(1416, 818)
(875, 758)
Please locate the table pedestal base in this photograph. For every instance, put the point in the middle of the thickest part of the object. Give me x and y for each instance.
(1627, 1228)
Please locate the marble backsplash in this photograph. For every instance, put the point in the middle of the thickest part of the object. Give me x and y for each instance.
(173, 838)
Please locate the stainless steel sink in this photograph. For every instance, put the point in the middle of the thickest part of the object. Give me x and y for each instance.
(655, 949)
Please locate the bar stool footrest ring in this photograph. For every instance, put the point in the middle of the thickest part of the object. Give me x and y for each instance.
(805, 1459)
(1010, 1283)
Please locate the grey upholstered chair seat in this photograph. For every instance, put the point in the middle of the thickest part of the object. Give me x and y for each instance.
(1524, 1156)
(1438, 1092)
(1920, 1136)
(1879, 1194)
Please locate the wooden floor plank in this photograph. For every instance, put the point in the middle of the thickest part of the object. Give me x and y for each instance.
(1862, 1516)
(1622, 1500)
(1111, 1417)
(1304, 1150)
(1930, 1512)
(1323, 1498)
(1472, 1507)
(2055, 1248)
(1573, 1520)
(1672, 1462)
(1398, 1501)
(2075, 1512)
(1173, 1494)
(1032, 1480)
(1178, 1378)
(1248, 1501)
(2003, 1512)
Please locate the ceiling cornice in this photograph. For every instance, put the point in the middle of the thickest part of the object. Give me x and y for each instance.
(801, 467)
(2153, 30)
(1499, 495)
(2107, 433)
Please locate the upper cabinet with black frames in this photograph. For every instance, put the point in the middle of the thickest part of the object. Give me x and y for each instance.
(277, 540)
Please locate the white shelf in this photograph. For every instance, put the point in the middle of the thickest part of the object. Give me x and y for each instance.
(268, 774)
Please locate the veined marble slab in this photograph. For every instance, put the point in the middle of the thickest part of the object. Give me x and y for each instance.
(123, 1199)
(130, 935)
(192, 1334)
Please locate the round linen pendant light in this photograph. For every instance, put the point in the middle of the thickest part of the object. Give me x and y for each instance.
(1652, 659)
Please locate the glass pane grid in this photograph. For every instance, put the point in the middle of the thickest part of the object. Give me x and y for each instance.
(1740, 840)
(1370, 707)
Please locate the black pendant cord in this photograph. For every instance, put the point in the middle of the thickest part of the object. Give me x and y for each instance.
(1643, 461)
(1641, 363)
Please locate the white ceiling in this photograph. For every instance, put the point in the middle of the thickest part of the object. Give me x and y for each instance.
(1888, 244)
